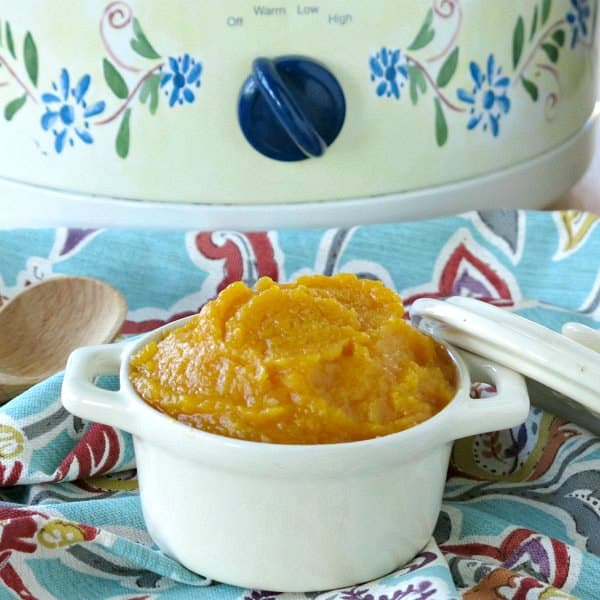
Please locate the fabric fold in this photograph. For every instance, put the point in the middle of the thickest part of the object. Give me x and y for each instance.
(520, 517)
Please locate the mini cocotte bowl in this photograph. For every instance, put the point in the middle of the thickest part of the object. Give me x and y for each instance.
(282, 517)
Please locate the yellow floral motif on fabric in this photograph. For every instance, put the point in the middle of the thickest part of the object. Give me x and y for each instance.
(113, 483)
(553, 593)
(11, 442)
(58, 534)
(577, 225)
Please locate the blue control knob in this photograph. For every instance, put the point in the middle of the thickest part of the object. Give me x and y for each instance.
(291, 108)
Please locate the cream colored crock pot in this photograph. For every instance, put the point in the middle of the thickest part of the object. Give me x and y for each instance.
(248, 114)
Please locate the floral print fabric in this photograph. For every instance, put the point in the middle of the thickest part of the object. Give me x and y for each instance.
(521, 512)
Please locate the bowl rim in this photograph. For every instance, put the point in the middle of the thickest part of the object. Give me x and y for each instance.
(155, 431)
(433, 423)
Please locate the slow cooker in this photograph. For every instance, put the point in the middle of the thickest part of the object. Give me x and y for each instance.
(273, 114)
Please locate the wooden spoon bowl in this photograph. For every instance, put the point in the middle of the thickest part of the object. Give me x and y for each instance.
(45, 322)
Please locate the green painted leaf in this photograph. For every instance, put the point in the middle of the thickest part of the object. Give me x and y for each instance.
(551, 51)
(530, 88)
(425, 34)
(448, 68)
(417, 81)
(534, 23)
(13, 107)
(150, 90)
(546, 8)
(441, 127)
(10, 43)
(115, 80)
(31, 58)
(122, 143)
(518, 39)
(0, 33)
(140, 43)
(559, 37)
(421, 81)
(414, 95)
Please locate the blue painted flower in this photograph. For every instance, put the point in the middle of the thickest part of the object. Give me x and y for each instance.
(488, 98)
(578, 18)
(67, 111)
(182, 76)
(388, 69)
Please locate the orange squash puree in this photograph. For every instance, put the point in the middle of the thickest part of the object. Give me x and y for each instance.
(321, 360)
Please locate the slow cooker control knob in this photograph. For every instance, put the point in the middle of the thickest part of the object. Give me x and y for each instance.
(291, 108)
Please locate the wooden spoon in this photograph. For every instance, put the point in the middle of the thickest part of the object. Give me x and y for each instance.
(46, 321)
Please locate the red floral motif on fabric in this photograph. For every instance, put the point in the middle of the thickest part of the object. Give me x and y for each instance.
(551, 558)
(10, 477)
(466, 274)
(97, 452)
(245, 257)
(259, 251)
(19, 531)
(12, 580)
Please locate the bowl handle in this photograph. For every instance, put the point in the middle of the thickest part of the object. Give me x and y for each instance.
(81, 397)
(509, 407)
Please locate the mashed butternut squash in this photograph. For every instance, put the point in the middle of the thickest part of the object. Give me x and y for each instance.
(321, 360)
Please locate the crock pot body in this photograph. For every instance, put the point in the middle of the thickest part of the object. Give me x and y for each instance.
(139, 101)
(289, 517)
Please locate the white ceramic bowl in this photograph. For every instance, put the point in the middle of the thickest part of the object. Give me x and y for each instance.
(289, 517)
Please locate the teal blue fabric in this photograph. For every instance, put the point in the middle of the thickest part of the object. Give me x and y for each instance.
(70, 519)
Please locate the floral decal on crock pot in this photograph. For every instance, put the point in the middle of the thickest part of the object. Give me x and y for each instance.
(72, 106)
(536, 45)
(67, 113)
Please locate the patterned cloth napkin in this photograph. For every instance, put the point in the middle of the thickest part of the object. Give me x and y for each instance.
(521, 512)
